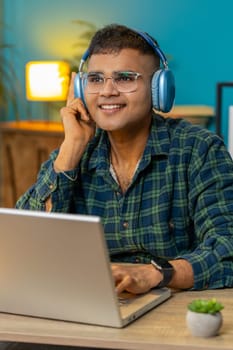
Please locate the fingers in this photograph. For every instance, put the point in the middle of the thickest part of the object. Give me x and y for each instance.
(75, 105)
(122, 281)
(77, 109)
(134, 279)
(125, 280)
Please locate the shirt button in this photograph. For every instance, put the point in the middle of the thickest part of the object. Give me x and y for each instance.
(125, 224)
(137, 260)
(171, 225)
(51, 186)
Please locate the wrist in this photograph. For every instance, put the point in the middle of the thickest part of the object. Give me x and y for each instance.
(62, 168)
(68, 157)
(166, 270)
(71, 175)
(156, 276)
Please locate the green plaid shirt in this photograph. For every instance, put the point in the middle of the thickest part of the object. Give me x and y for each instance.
(179, 204)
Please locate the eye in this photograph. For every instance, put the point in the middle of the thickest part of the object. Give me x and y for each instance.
(95, 79)
(125, 77)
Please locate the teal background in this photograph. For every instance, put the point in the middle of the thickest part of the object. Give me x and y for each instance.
(196, 35)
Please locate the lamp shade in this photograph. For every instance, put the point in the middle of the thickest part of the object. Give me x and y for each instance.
(47, 80)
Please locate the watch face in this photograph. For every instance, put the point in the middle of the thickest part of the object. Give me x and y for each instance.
(163, 263)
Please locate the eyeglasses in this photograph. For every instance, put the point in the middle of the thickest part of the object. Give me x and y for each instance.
(122, 81)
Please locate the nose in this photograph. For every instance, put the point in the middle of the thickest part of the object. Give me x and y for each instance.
(109, 87)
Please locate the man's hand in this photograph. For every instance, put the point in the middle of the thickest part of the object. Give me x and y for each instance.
(79, 129)
(135, 278)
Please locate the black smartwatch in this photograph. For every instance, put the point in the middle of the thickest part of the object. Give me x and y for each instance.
(163, 266)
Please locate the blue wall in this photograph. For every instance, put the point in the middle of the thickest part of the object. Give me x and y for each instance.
(195, 34)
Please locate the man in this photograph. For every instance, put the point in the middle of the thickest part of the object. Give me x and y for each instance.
(163, 187)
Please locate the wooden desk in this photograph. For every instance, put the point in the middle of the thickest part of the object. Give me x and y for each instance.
(24, 146)
(163, 328)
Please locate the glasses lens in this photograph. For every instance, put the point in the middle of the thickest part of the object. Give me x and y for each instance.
(93, 82)
(126, 81)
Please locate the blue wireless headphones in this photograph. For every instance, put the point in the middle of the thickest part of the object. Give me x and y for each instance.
(162, 83)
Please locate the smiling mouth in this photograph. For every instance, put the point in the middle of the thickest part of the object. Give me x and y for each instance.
(112, 107)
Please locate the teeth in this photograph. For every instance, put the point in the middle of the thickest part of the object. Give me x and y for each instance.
(110, 106)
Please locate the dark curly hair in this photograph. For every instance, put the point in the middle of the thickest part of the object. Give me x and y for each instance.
(115, 37)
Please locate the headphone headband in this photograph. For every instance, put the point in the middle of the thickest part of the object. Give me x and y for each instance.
(155, 47)
(148, 40)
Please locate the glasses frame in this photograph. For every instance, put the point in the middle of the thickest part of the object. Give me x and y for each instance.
(136, 75)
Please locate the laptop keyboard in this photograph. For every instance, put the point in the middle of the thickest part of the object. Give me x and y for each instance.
(126, 298)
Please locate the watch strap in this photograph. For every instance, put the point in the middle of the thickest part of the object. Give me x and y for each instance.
(167, 271)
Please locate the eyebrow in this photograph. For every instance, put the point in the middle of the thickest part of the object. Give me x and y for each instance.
(95, 72)
(114, 72)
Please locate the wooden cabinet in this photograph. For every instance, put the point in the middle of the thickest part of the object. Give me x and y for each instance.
(24, 146)
(195, 114)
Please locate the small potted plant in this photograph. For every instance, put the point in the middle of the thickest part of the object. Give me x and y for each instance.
(204, 317)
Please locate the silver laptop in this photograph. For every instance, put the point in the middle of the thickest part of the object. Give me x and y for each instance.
(57, 266)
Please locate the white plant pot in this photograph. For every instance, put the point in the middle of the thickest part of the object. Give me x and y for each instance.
(203, 325)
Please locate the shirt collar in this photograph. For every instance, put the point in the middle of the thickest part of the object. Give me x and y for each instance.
(157, 145)
(159, 141)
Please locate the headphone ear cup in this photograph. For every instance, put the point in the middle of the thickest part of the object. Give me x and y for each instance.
(163, 90)
(78, 93)
(79, 87)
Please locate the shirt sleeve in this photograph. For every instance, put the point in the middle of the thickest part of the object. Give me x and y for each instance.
(49, 184)
(211, 204)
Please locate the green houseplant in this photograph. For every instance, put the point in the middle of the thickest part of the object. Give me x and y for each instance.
(85, 31)
(204, 317)
(10, 90)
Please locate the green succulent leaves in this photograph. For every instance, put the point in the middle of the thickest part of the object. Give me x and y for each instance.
(211, 306)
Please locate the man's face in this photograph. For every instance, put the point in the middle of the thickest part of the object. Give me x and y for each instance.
(113, 110)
